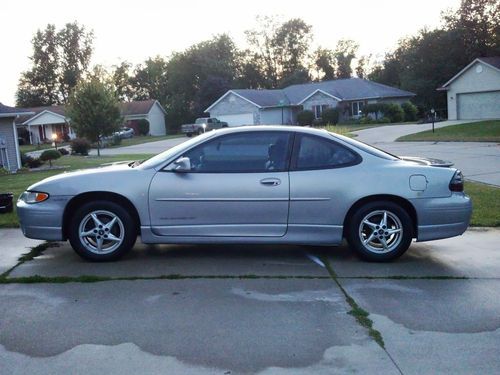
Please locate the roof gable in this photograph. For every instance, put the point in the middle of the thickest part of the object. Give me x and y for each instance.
(493, 62)
(6, 111)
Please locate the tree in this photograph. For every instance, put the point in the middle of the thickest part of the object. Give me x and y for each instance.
(345, 52)
(49, 155)
(149, 80)
(324, 61)
(121, 79)
(75, 45)
(280, 49)
(93, 110)
(59, 60)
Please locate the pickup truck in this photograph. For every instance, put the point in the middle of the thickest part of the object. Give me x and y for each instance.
(201, 125)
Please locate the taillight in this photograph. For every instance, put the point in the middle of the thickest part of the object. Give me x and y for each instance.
(457, 182)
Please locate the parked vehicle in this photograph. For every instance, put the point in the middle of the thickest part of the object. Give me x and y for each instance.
(124, 133)
(256, 184)
(201, 125)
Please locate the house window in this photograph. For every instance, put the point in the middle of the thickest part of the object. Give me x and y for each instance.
(357, 108)
(318, 110)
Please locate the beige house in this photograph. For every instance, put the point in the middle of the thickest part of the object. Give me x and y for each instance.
(474, 92)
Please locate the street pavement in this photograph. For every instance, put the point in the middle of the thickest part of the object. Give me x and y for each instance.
(143, 148)
(256, 309)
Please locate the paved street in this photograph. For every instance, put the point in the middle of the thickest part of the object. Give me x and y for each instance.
(255, 309)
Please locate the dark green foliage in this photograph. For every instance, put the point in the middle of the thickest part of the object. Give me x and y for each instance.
(49, 155)
(330, 116)
(63, 151)
(410, 111)
(305, 118)
(143, 127)
(116, 140)
(80, 146)
(59, 60)
(393, 111)
(30, 162)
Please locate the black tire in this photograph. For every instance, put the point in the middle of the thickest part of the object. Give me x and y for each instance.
(125, 223)
(189, 135)
(374, 250)
(200, 132)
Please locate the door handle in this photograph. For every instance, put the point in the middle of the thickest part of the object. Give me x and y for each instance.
(270, 181)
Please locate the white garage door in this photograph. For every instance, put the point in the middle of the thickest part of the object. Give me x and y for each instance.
(478, 105)
(237, 120)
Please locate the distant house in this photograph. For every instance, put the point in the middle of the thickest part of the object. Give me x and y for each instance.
(9, 148)
(474, 92)
(280, 106)
(42, 122)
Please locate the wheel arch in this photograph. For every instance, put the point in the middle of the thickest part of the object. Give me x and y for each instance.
(82, 198)
(404, 203)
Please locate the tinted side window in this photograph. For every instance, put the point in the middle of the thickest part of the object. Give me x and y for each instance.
(242, 152)
(319, 153)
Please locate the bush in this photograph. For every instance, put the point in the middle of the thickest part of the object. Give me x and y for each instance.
(49, 155)
(80, 146)
(394, 112)
(366, 120)
(143, 127)
(305, 118)
(63, 151)
(116, 140)
(410, 111)
(318, 122)
(383, 120)
(330, 116)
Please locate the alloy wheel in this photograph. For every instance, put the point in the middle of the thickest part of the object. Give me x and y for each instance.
(101, 232)
(380, 231)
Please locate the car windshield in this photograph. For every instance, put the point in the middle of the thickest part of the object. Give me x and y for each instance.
(160, 158)
(201, 120)
(366, 147)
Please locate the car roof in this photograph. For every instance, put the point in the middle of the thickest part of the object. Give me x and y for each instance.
(288, 128)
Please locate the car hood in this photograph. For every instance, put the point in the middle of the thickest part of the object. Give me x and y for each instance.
(427, 161)
(81, 175)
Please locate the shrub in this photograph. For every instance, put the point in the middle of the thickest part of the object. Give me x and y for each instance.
(305, 118)
(330, 116)
(374, 108)
(318, 122)
(394, 112)
(63, 151)
(383, 120)
(49, 155)
(116, 140)
(143, 127)
(365, 120)
(25, 159)
(80, 146)
(410, 111)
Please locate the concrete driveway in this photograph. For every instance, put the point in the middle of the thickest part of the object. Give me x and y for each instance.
(174, 309)
(144, 148)
(479, 161)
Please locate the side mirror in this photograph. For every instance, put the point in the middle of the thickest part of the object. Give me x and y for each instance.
(182, 165)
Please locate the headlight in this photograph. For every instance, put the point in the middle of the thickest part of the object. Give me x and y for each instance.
(33, 197)
(203, 126)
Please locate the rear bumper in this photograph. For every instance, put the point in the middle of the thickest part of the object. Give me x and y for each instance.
(42, 221)
(442, 217)
(188, 129)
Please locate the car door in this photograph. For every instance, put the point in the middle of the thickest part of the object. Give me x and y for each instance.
(237, 185)
(322, 174)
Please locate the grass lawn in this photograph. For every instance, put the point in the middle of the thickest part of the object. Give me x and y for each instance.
(137, 140)
(485, 204)
(17, 183)
(43, 146)
(347, 129)
(482, 131)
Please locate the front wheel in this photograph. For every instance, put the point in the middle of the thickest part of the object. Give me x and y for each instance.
(380, 231)
(102, 231)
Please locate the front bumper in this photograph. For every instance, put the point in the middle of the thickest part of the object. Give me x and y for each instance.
(43, 221)
(442, 217)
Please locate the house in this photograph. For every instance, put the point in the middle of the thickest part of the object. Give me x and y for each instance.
(43, 122)
(150, 110)
(10, 158)
(280, 106)
(474, 92)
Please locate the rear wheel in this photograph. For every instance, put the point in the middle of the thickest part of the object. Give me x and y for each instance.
(380, 231)
(189, 135)
(102, 231)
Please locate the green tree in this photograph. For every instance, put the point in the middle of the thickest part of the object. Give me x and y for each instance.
(324, 61)
(345, 52)
(121, 79)
(149, 80)
(93, 110)
(59, 60)
(49, 155)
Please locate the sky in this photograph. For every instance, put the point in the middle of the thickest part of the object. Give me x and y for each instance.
(135, 30)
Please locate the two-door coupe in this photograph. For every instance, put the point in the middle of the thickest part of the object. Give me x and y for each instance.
(255, 184)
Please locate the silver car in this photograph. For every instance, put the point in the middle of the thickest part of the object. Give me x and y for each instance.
(256, 184)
